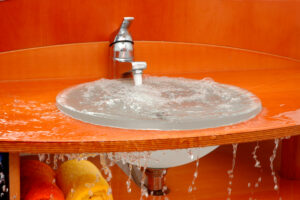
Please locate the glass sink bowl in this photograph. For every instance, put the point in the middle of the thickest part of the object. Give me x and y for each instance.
(161, 103)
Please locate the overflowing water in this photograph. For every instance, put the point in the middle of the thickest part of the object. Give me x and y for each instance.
(161, 103)
(230, 172)
(107, 160)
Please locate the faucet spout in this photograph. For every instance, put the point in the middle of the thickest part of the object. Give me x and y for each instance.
(137, 71)
(122, 55)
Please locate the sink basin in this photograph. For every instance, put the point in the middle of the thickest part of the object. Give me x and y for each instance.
(166, 158)
(161, 103)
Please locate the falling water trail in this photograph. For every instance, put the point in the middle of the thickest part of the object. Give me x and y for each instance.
(55, 159)
(165, 188)
(106, 169)
(256, 165)
(42, 157)
(230, 172)
(128, 182)
(48, 161)
(272, 158)
(4, 188)
(254, 154)
(145, 156)
(192, 187)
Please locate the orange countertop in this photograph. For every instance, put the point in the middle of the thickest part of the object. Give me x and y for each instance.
(30, 121)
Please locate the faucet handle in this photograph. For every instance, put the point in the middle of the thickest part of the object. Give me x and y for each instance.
(126, 22)
(122, 34)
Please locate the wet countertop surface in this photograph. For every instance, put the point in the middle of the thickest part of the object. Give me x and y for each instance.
(31, 122)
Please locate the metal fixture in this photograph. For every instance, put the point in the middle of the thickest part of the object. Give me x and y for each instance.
(122, 55)
(156, 182)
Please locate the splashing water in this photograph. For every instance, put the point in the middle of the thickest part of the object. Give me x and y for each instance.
(272, 158)
(230, 172)
(160, 103)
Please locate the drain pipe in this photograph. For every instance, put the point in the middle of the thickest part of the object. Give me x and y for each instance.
(156, 181)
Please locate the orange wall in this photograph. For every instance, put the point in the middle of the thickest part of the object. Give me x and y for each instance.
(264, 25)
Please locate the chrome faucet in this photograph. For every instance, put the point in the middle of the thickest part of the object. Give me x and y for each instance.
(122, 55)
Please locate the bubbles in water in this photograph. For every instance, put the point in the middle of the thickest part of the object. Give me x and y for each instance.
(230, 172)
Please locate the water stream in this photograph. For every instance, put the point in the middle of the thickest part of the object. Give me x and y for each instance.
(230, 172)
(128, 182)
(195, 175)
(257, 165)
(272, 158)
(3, 188)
